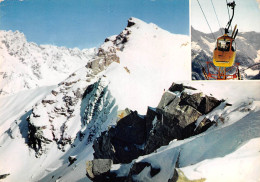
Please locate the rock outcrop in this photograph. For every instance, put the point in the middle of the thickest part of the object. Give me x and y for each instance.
(174, 118)
(3, 176)
(98, 169)
(124, 142)
(83, 94)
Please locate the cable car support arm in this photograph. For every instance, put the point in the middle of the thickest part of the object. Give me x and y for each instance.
(232, 5)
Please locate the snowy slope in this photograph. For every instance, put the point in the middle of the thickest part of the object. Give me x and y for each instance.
(13, 106)
(62, 115)
(150, 61)
(26, 65)
(130, 70)
(228, 151)
(229, 142)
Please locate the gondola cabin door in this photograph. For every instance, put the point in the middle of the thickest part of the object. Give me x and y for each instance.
(225, 52)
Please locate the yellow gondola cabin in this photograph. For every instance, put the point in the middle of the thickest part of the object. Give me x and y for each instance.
(225, 52)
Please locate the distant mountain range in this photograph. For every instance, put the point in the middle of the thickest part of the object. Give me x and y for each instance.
(248, 52)
(26, 65)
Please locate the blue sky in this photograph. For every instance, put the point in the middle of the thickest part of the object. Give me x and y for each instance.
(247, 15)
(86, 23)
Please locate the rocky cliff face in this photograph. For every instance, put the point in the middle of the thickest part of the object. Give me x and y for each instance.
(177, 116)
(83, 97)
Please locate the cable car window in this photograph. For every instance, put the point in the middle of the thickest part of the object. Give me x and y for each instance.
(223, 45)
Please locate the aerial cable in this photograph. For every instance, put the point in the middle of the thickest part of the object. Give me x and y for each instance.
(216, 17)
(206, 19)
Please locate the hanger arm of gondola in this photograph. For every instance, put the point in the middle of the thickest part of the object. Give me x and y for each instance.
(232, 5)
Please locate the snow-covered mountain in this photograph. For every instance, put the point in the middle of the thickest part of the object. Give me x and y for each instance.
(47, 133)
(125, 72)
(227, 151)
(26, 65)
(248, 52)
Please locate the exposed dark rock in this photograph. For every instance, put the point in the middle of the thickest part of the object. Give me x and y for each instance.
(101, 166)
(169, 107)
(176, 87)
(33, 141)
(256, 77)
(103, 146)
(123, 143)
(174, 118)
(48, 101)
(72, 159)
(126, 152)
(227, 104)
(130, 22)
(168, 101)
(161, 134)
(89, 90)
(174, 177)
(193, 100)
(204, 125)
(54, 93)
(70, 83)
(151, 116)
(190, 116)
(154, 171)
(78, 93)
(103, 60)
(36, 140)
(179, 87)
(131, 129)
(3, 176)
(138, 167)
(208, 104)
(98, 169)
(190, 88)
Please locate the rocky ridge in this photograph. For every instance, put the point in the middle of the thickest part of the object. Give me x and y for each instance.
(180, 114)
(83, 96)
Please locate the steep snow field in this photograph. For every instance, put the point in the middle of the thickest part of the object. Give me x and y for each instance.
(16, 157)
(150, 60)
(241, 165)
(14, 106)
(154, 59)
